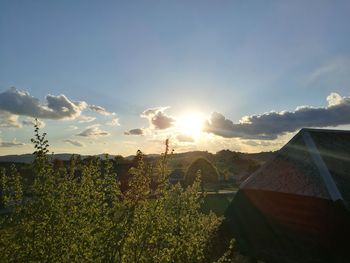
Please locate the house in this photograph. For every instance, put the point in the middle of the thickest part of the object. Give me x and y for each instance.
(296, 207)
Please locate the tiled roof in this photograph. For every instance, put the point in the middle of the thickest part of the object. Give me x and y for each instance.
(315, 162)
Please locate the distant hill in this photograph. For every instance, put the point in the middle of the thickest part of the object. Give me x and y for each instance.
(184, 158)
(232, 167)
(28, 158)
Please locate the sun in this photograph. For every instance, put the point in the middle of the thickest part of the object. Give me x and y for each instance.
(191, 124)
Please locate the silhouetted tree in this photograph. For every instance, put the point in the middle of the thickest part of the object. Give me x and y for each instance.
(207, 171)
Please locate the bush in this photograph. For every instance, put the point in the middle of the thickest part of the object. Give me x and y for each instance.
(66, 216)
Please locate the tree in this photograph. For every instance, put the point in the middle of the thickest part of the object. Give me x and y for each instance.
(207, 171)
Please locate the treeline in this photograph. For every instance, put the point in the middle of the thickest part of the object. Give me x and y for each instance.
(82, 212)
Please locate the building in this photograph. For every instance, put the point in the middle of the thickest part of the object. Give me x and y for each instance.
(296, 207)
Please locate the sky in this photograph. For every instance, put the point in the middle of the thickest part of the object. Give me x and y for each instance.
(117, 76)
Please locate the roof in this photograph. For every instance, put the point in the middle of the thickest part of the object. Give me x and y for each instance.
(315, 162)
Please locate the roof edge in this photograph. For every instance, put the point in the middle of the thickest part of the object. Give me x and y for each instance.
(323, 130)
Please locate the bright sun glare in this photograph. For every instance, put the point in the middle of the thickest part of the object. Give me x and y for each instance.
(191, 124)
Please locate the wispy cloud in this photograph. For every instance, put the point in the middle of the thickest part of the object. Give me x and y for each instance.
(31, 122)
(13, 143)
(74, 142)
(184, 138)
(270, 125)
(336, 71)
(84, 119)
(114, 122)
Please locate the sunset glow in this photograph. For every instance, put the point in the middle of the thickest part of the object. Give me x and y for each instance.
(191, 124)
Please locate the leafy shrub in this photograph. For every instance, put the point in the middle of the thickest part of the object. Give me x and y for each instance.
(66, 216)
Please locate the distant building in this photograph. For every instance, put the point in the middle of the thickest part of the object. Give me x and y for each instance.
(296, 207)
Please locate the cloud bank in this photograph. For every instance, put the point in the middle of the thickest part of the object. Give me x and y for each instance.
(14, 103)
(56, 107)
(269, 126)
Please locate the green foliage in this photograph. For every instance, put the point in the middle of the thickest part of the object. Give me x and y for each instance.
(207, 171)
(79, 214)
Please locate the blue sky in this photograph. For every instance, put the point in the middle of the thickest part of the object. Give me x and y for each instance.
(236, 58)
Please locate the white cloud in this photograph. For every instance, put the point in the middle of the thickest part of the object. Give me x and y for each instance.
(273, 124)
(8, 120)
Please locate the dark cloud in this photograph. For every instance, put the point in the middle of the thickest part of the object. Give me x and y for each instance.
(22, 103)
(270, 125)
(184, 138)
(74, 142)
(100, 110)
(93, 131)
(19, 102)
(134, 132)
(158, 119)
